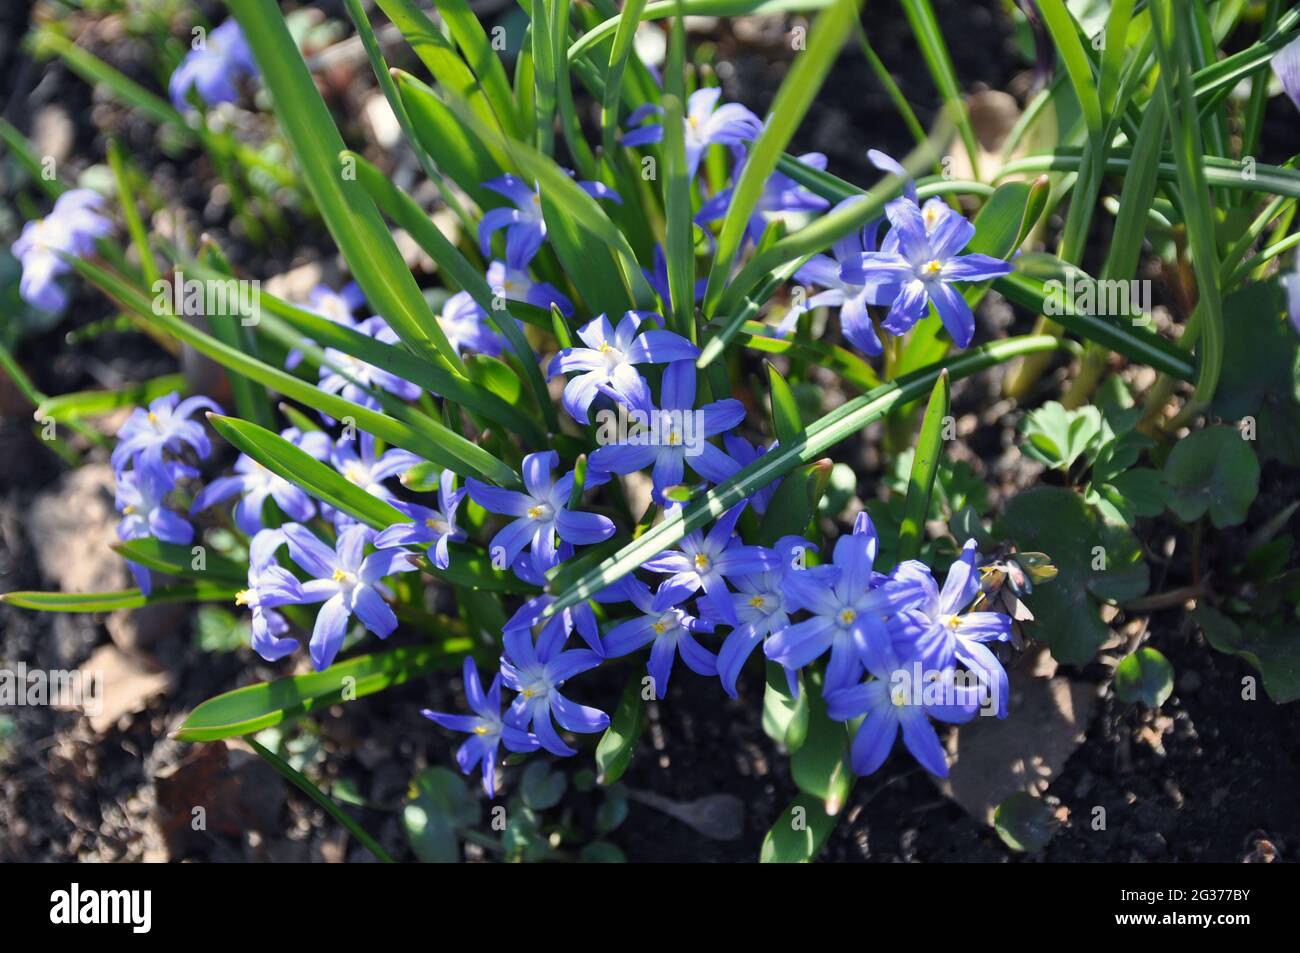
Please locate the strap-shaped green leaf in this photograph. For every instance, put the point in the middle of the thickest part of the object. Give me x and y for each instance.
(925, 467)
(179, 561)
(350, 216)
(122, 599)
(255, 707)
(792, 100)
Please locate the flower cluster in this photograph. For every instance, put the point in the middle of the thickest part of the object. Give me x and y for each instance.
(45, 244)
(148, 462)
(890, 648)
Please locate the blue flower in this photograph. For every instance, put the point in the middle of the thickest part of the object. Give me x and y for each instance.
(269, 586)
(897, 698)
(666, 627)
(744, 453)
(760, 610)
(254, 483)
(366, 470)
(680, 436)
(706, 124)
(466, 326)
(70, 229)
(524, 225)
(347, 582)
(915, 268)
(846, 285)
(513, 283)
(333, 306)
(781, 196)
(849, 604)
(435, 527)
(214, 69)
(485, 728)
(355, 376)
(140, 497)
(657, 278)
(607, 362)
(536, 672)
(165, 426)
(541, 512)
(1291, 283)
(1286, 64)
(939, 631)
(707, 562)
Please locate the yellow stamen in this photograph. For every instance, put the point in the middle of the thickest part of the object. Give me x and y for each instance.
(660, 627)
(153, 418)
(932, 267)
(756, 602)
(480, 729)
(244, 597)
(528, 693)
(701, 562)
(534, 512)
(847, 616)
(339, 575)
(898, 696)
(674, 438)
(127, 511)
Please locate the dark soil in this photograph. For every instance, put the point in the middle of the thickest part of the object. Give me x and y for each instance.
(1210, 777)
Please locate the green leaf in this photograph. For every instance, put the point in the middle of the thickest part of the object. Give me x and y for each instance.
(474, 44)
(1145, 676)
(786, 421)
(934, 50)
(628, 21)
(925, 468)
(614, 752)
(1261, 371)
(1212, 470)
(1057, 437)
(847, 419)
(254, 707)
(299, 780)
(1145, 347)
(350, 216)
(792, 100)
(124, 599)
(437, 808)
(300, 468)
(1067, 614)
(540, 787)
(1176, 85)
(798, 832)
(1272, 649)
(95, 403)
(821, 764)
(1023, 823)
(679, 243)
(785, 718)
(179, 561)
